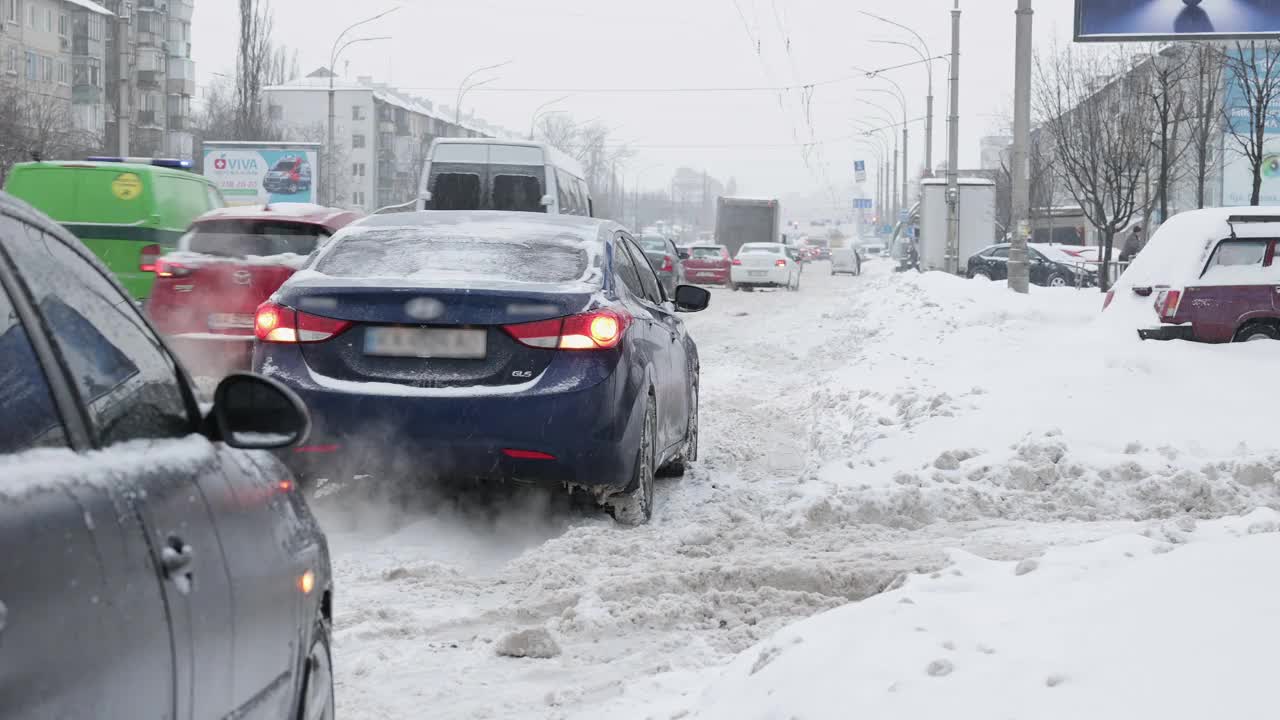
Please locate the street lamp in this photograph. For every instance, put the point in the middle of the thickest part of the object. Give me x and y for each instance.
(906, 137)
(537, 113)
(927, 58)
(897, 204)
(464, 88)
(338, 47)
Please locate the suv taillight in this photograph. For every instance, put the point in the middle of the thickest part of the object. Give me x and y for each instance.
(279, 324)
(667, 265)
(737, 261)
(169, 269)
(780, 262)
(1167, 304)
(595, 330)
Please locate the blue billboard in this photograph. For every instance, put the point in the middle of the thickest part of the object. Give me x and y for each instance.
(1098, 20)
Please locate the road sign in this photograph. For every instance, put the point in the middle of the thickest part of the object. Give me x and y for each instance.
(860, 170)
(904, 215)
(863, 204)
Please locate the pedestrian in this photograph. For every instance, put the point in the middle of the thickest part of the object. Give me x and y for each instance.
(1132, 245)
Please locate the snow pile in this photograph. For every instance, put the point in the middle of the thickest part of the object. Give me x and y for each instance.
(976, 403)
(1175, 623)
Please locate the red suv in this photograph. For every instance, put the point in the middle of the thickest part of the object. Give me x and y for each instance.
(228, 263)
(708, 265)
(1209, 276)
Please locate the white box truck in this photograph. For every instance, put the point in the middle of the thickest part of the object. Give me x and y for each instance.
(977, 220)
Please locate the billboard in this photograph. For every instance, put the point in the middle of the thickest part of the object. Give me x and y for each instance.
(1098, 20)
(860, 171)
(253, 173)
(1237, 172)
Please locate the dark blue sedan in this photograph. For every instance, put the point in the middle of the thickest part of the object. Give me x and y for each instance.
(516, 347)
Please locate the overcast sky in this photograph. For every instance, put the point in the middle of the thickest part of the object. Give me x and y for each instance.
(567, 45)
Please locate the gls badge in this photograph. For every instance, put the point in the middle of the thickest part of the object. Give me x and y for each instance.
(524, 374)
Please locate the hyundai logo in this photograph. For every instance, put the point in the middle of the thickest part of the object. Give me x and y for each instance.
(242, 277)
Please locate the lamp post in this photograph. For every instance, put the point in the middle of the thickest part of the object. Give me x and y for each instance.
(906, 137)
(338, 47)
(464, 88)
(926, 57)
(897, 203)
(953, 150)
(538, 112)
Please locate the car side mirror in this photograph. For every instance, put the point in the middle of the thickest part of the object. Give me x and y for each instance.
(547, 201)
(257, 413)
(690, 298)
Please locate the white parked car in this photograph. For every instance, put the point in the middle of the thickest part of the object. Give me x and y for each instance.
(872, 247)
(766, 265)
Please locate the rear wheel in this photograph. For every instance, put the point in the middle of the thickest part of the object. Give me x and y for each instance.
(634, 506)
(317, 681)
(1257, 331)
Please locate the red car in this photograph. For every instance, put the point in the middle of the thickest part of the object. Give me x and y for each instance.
(1207, 276)
(228, 263)
(708, 265)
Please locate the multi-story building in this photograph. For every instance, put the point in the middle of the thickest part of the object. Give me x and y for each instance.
(150, 50)
(381, 136)
(52, 52)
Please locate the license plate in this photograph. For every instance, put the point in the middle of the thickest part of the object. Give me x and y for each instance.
(706, 274)
(231, 321)
(441, 343)
(759, 273)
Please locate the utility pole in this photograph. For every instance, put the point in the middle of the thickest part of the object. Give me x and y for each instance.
(906, 167)
(1019, 272)
(953, 150)
(897, 202)
(122, 101)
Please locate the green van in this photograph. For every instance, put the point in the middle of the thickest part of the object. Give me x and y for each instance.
(127, 213)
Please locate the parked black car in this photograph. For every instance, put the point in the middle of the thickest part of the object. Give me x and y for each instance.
(153, 565)
(993, 264)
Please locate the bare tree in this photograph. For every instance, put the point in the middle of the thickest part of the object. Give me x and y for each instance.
(36, 124)
(1204, 118)
(260, 63)
(1098, 118)
(593, 146)
(1253, 69)
(1167, 91)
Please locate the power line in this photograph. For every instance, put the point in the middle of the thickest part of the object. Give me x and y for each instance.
(653, 90)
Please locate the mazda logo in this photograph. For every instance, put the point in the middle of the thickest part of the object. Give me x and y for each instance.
(242, 277)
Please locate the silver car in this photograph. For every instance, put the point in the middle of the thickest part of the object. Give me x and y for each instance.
(665, 259)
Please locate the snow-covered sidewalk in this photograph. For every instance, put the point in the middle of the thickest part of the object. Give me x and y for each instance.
(1178, 623)
(858, 431)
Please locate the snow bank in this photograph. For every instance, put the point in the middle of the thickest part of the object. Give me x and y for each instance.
(1175, 623)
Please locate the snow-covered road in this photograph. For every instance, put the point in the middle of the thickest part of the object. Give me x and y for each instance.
(850, 433)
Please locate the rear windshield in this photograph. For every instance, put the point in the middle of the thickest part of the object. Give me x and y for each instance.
(771, 249)
(436, 255)
(653, 244)
(242, 238)
(514, 188)
(710, 253)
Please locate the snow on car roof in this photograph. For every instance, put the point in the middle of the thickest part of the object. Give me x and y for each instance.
(302, 212)
(1175, 255)
(463, 249)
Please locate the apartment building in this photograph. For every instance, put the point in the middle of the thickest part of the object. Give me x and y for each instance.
(53, 51)
(150, 50)
(381, 135)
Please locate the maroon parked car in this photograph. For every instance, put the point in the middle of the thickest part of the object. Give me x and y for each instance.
(228, 263)
(708, 265)
(1208, 276)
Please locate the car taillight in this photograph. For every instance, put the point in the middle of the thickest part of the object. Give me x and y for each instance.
(1106, 303)
(780, 262)
(596, 330)
(667, 265)
(1167, 304)
(169, 269)
(737, 261)
(147, 257)
(279, 324)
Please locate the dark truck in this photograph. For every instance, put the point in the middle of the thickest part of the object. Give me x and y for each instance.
(747, 220)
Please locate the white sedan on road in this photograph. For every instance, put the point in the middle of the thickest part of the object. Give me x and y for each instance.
(766, 265)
